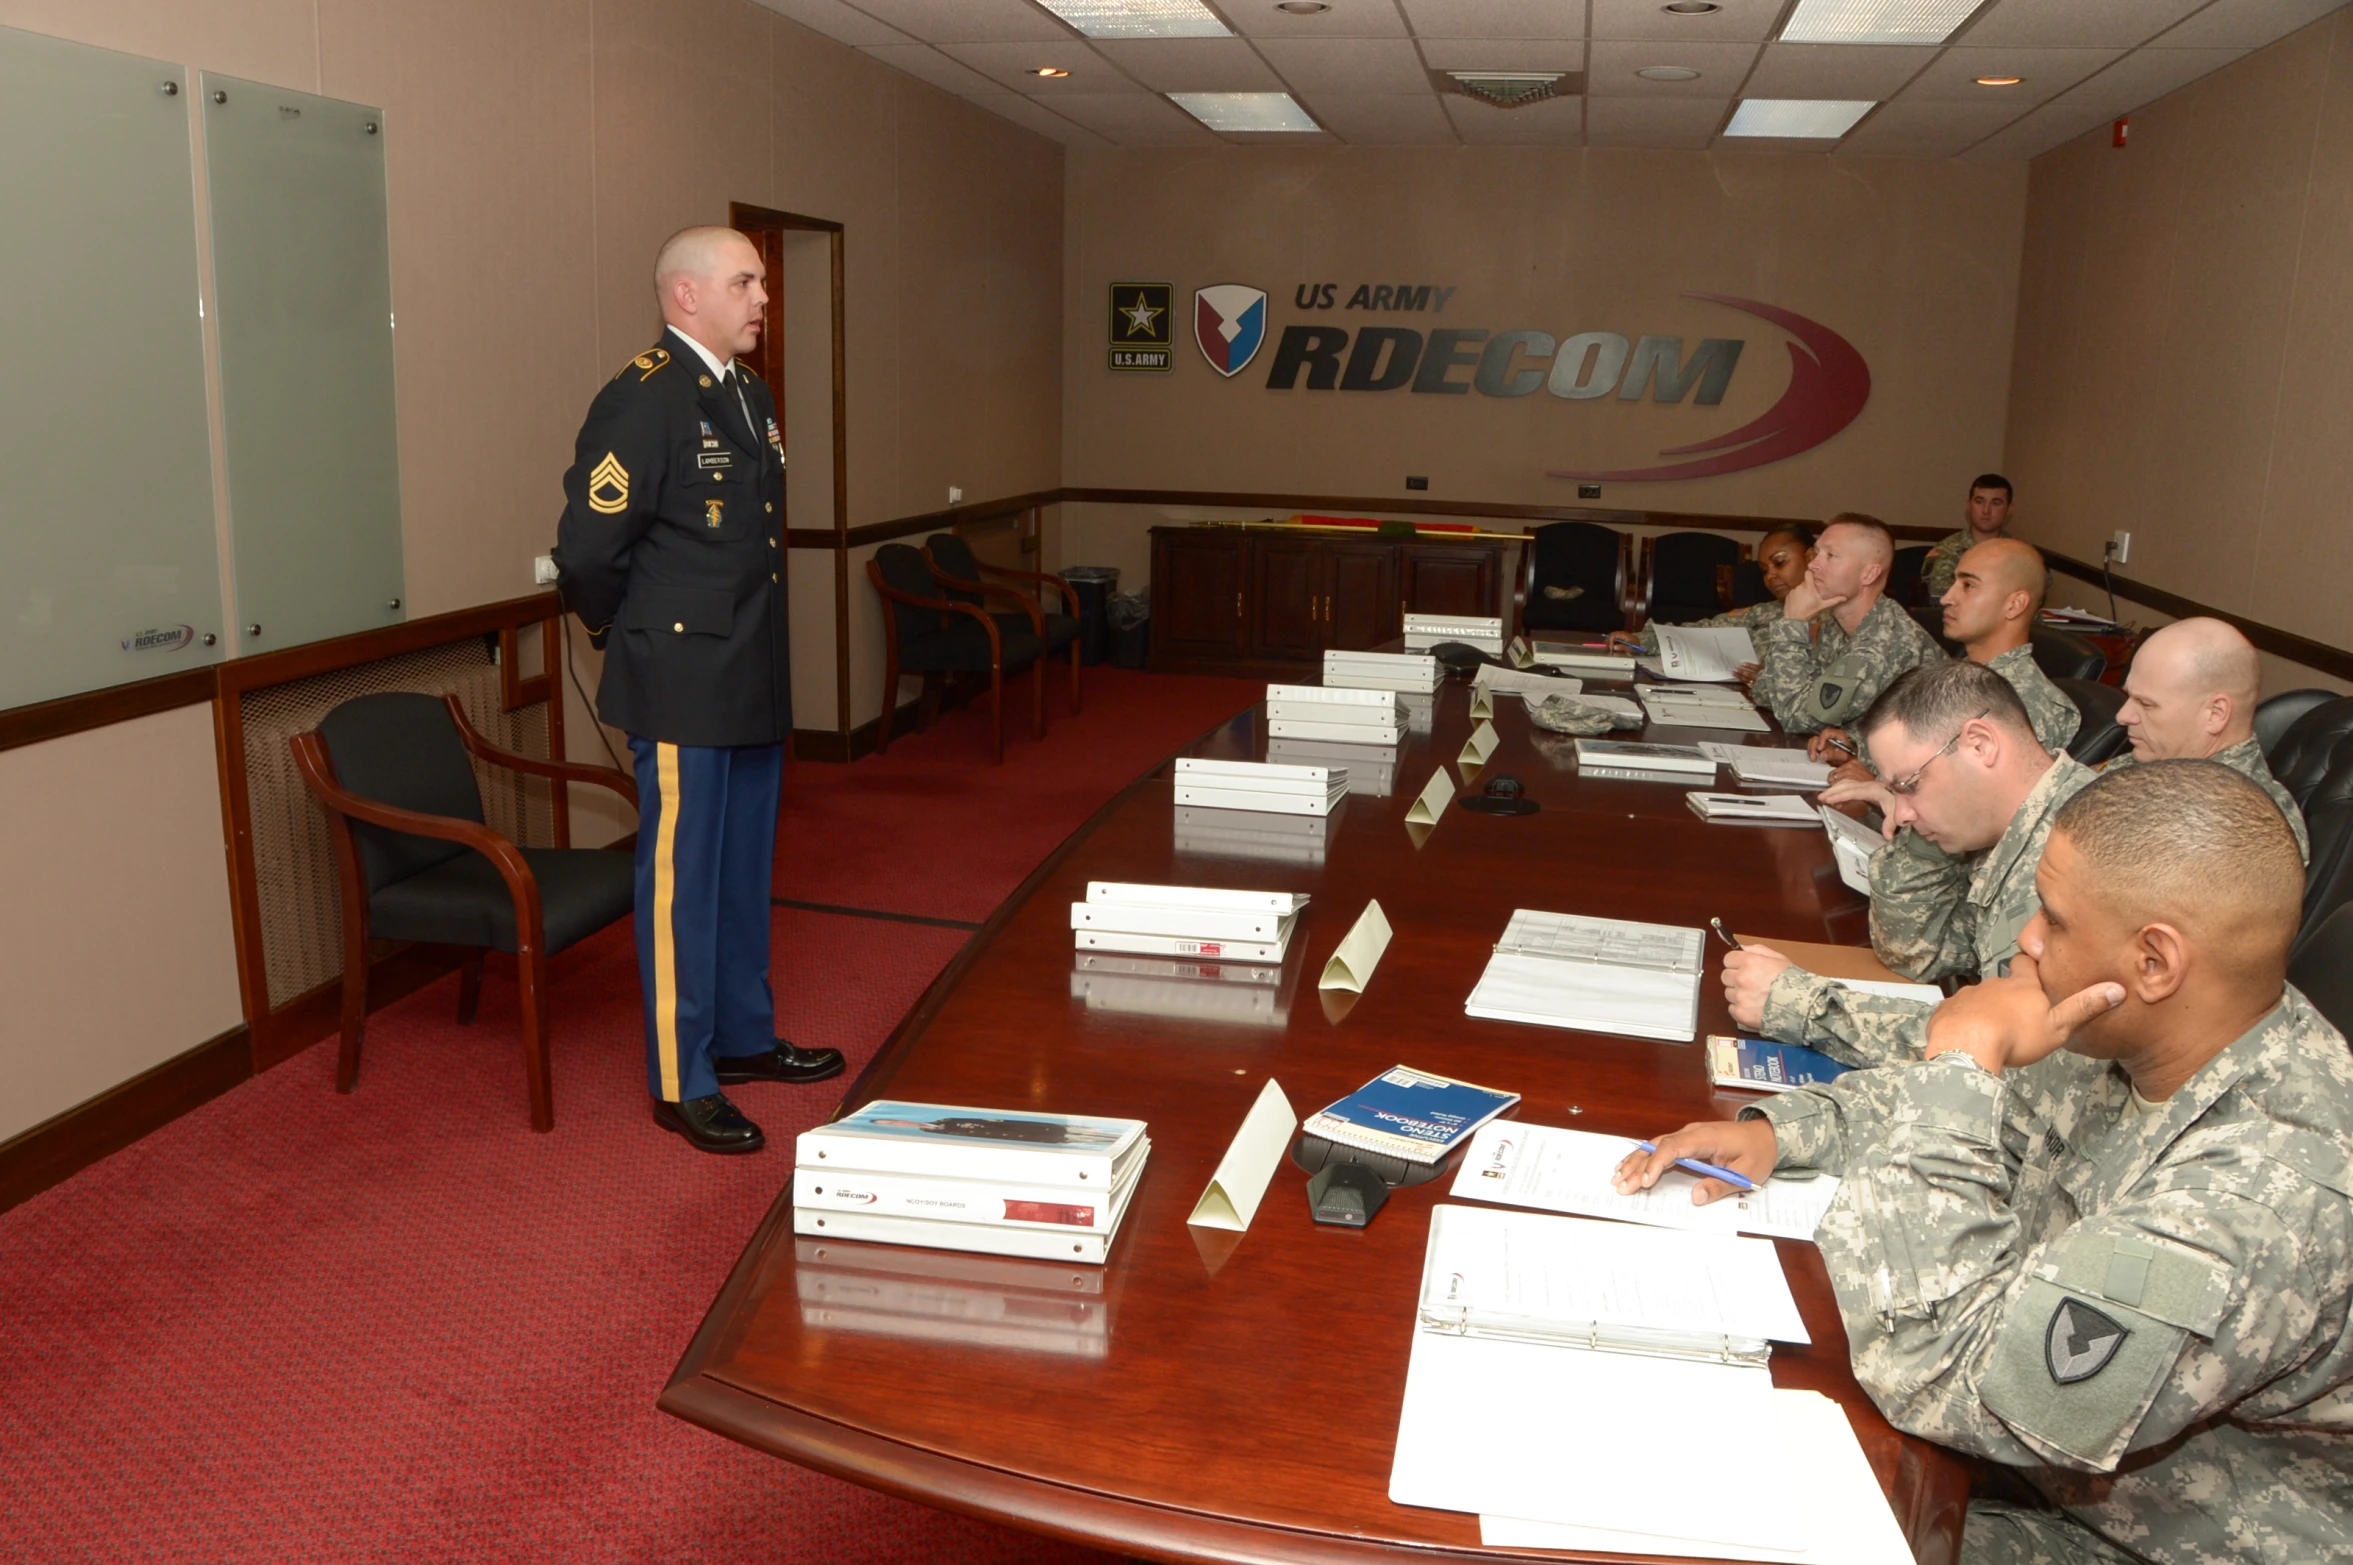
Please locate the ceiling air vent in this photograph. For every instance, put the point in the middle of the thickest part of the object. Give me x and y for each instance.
(1509, 89)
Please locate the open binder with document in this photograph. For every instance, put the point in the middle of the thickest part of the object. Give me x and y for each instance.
(1595, 974)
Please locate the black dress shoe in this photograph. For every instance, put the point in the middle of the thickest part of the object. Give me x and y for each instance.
(782, 1063)
(710, 1124)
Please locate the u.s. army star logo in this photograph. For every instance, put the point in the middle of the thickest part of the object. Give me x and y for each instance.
(2079, 1342)
(608, 486)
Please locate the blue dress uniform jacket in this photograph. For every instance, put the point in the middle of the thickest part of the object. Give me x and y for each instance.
(671, 552)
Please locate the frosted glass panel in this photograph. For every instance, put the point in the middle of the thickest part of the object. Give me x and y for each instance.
(302, 271)
(108, 566)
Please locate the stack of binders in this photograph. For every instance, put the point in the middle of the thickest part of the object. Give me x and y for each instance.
(1336, 712)
(1186, 921)
(992, 1181)
(1427, 630)
(1259, 785)
(1413, 673)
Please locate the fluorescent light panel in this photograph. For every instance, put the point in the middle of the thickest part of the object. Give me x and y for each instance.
(1876, 21)
(1139, 18)
(1797, 119)
(1245, 110)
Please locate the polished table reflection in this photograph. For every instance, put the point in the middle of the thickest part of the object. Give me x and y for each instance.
(1222, 1396)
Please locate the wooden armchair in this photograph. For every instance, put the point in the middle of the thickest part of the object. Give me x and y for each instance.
(964, 577)
(416, 862)
(936, 637)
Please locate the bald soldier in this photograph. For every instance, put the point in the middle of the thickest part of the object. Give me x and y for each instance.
(1840, 640)
(670, 551)
(2102, 1234)
(1990, 610)
(2191, 694)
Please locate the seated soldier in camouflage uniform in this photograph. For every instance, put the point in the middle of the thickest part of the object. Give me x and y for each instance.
(1988, 517)
(2102, 1235)
(2190, 694)
(1960, 767)
(1782, 555)
(1840, 640)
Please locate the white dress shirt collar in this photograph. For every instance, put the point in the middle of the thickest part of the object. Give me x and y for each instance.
(718, 365)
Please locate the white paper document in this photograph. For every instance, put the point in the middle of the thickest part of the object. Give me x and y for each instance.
(1681, 711)
(1528, 686)
(1853, 844)
(1752, 809)
(1513, 1163)
(1771, 766)
(1709, 652)
(1594, 974)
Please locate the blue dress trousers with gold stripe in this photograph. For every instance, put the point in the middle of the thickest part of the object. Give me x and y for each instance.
(671, 551)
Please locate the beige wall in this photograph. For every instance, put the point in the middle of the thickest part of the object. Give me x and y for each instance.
(537, 152)
(2185, 333)
(1913, 262)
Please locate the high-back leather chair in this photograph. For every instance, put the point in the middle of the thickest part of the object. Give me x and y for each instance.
(1679, 575)
(2099, 738)
(415, 860)
(2322, 966)
(962, 576)
(938, 637)
(2308, 749)
(2328, 874)
(2062, 654)
(1903, 574)
(1573, 577)
(2275, 715)
(1747, 584)
(1930, 617)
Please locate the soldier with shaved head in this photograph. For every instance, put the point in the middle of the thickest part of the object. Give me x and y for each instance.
(2191, 694)
(1840, 640)
(1990, 610)
(2102, 1234)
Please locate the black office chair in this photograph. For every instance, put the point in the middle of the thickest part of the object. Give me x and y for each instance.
(1573, 577)
(1930, 617)
(2062, 654)
(2099, 738)
(2322, 967)
(2328, 874)
(415, 861)
(1747, 585)
(963, 577)
(1679, 572)
(2274, 715)
(2305, 753)
(1903, 576)
(942, 637)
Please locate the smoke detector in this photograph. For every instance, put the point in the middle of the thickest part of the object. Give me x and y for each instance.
(1508, 89)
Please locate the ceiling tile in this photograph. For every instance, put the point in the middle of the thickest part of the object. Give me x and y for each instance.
(1346, 19)
(2073, 24)
(2049, 126)
(2245, 24)
(1013, 65)
(1191, 64)
(1654, 122)
(1834, 70)
(2145, 75)
(968, 21)
(1740, 20)
(924, 63)
(1550, 122)
(843, 23)
(1347, 64)
(2043, 74)
(1508, 54)
(1029, 115)
(1929, 130)
(1135, 119)
(1394, 119)
(1495, 18)
(1610, 68)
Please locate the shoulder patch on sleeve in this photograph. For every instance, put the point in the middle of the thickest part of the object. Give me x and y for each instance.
(646, 364)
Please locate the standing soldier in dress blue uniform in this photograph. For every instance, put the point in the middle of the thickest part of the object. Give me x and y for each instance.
(671, 553)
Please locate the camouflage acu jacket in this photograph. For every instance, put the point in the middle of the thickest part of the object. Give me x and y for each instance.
(1753, 619)
(2054, 716)
(1932, 916)
(2246, 758)
(1813, 682)
(2143, 1309)
(1944, 561)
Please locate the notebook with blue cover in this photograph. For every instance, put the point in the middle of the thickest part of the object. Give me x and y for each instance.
(1409, 1114)
(1761, 1066)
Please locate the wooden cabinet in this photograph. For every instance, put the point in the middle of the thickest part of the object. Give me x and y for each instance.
(1226, 595)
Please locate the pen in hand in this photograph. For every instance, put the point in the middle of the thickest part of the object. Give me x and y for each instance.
(1736, 1181)
(1843, 745)
(1724, 934)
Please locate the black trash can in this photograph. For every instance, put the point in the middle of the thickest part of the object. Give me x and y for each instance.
(1092, 584)
(1130, 614)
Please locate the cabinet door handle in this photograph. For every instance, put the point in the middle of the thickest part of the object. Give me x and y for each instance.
(1237, 605)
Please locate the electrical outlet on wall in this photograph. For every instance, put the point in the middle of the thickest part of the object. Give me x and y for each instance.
(955, 495)
(543, 570)
(2120, 547)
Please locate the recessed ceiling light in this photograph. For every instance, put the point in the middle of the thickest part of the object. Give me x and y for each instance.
(1139, 18)
(1999, 81)
(1691, 7)
(1054, 71)
(1876, 21)
(1668, 73)
(1302, 7)
(1797, 119)
(1231, 111)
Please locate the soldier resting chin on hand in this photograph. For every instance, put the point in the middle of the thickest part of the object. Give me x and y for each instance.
(2103, 1233)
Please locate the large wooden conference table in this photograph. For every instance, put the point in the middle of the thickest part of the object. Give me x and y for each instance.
(1212, 1396)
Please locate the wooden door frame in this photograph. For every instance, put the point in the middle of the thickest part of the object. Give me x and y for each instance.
(749, 219)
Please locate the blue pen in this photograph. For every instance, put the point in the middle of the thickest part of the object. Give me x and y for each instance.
(1736, 1181)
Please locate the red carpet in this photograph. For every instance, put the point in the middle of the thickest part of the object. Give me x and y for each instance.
(398, 1326)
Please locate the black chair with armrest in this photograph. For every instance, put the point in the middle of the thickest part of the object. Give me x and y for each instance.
(1573, 576)
(2099, 738)
(1930, 617)
(2275, 715)
(935, 636)
(2322, 966)
(1679, 576)
(2328, 874)
(2062, 654)
(416, 862)
(2306, 753)
(1742, 584)
(962, 576)
(1904, 582)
